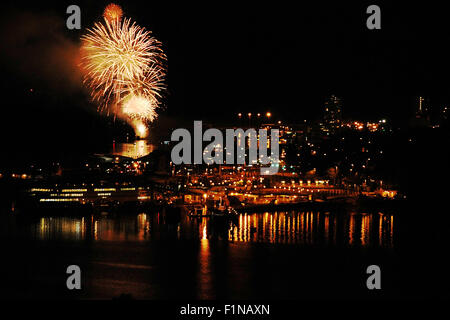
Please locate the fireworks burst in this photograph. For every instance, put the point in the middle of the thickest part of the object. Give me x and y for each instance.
(124, 66)
(116, 56)
(113, 12)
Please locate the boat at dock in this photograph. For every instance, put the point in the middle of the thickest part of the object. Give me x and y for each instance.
(198, 211)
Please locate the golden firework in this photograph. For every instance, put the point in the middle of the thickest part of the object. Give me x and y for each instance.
(122, 60)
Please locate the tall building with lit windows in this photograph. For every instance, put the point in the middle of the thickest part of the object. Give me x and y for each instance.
(332, 118)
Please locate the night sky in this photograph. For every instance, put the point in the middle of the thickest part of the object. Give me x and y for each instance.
(225, 58)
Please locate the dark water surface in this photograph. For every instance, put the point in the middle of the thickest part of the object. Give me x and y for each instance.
(280, 255)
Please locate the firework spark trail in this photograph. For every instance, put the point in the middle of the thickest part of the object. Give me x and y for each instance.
(124, 66)
(150, 84)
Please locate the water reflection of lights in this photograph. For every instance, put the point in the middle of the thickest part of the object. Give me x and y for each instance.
(204, 234)
(64, 227)
(204, 271)
(351, 229)
(365, 232)
(98, 228)
(314, 228)
(134, 150)
(307, 228)
(143, 226)
(95, 230)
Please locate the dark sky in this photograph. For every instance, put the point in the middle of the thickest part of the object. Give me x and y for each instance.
(227, 57)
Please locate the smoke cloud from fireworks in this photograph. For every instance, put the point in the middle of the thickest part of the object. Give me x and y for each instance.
(40, 51)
